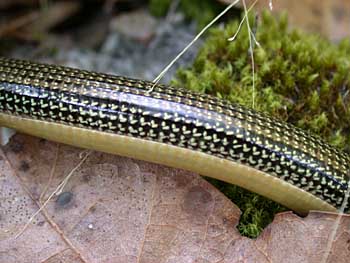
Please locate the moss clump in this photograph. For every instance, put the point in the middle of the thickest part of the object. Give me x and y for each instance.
(257, 211)
(201, 11)
(302, 79)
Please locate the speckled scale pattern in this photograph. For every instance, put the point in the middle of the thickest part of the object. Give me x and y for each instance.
(174, 116)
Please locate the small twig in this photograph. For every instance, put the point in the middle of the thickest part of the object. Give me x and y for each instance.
(251, 37)
(57, 191)
(251, 52)
(60, 188)
(336, 225)
(242, 21)
(254, 30)
(18, 23)
(52, 172)
(270, 5)
(159, 77)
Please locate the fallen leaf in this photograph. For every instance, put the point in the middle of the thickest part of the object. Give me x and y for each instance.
(11, 3)
(116, 209)
(331, 18)
(37, 22)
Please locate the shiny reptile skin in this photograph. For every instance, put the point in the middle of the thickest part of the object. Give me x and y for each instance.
(177, 117)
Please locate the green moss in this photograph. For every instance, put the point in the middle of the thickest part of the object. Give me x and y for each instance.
(257, 211)
(201, 11)
(300, 78)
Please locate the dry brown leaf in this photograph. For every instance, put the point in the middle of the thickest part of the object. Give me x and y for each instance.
(116, 209)
(10, 3)
(37, 22)
(330, 18)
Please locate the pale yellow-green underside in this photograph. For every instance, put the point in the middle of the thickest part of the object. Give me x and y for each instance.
(201, 163)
